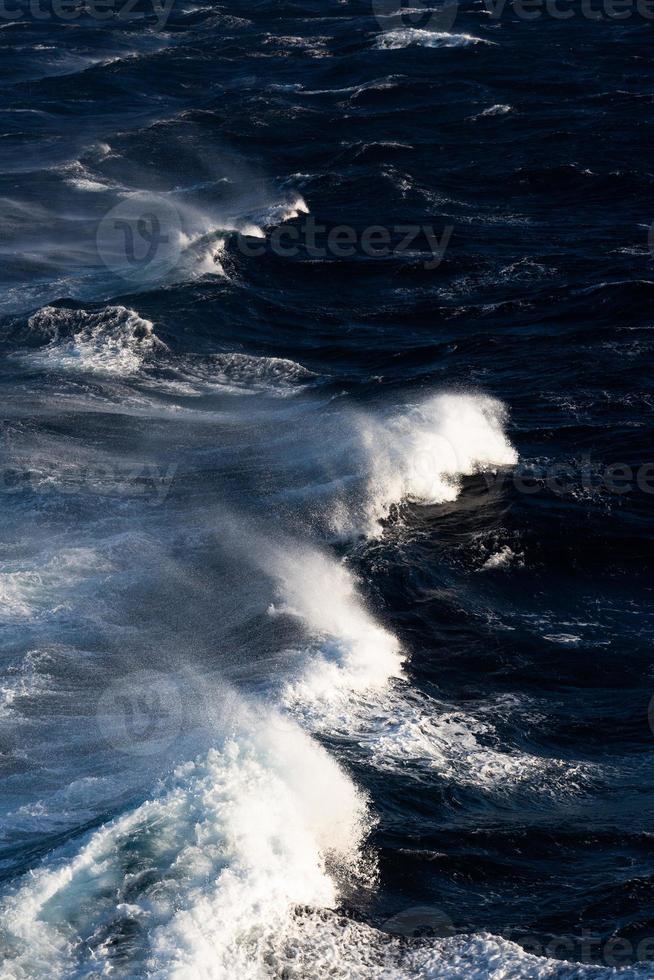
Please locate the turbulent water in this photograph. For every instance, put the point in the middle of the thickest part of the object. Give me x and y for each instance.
(326, 573)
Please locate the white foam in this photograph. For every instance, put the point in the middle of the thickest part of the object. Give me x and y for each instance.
(340, 949)
(231, 870)
(230, 372)
(250, 230)
(351, 684)
(495, 110)
(114, 341)
(118, 342)
(349, 652)
(249, 373)
(238, 840)
(43, 585)
(279, 213)
(255, 225)
(501, 559)
(86, 184)
(415, 736)
(210, 262)
(410, 36)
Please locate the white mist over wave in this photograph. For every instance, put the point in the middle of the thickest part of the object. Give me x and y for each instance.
(350, 651)
(421, 454)
(105, 236)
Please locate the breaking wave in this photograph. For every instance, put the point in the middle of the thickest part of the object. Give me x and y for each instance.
(118, 342)
(421, 455)
(114, 341)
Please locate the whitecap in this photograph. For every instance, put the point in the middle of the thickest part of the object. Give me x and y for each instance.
(207, 874)
(420, 455)
(410, 36)
(350, 651)
(494, 110)
(115, 340)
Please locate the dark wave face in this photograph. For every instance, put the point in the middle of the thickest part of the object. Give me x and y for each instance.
(326, 579)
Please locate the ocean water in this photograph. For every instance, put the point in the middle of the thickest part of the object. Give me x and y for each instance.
(327, 474)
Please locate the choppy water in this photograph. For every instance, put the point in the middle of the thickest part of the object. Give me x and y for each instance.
(326, 567)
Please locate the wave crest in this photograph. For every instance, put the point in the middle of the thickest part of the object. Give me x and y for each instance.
(241, 838)
(115, 340)
(421, 454)
(415, 36)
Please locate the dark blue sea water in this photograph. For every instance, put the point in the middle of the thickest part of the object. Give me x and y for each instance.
(326, 581)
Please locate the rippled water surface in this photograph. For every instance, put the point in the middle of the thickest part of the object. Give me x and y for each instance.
(326, 580)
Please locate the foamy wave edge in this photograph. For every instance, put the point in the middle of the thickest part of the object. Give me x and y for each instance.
(118, 342)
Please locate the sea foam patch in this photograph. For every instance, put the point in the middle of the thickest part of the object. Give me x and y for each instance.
(115, 340)
(204, 878)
